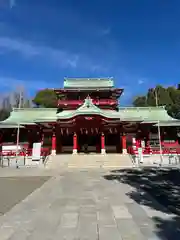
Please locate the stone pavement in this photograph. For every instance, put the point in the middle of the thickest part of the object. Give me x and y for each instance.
(81, 205)
(89, 161)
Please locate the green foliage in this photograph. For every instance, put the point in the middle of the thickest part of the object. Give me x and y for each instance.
(45, 98)
(140, 101)
(169, 97)
(4, 114)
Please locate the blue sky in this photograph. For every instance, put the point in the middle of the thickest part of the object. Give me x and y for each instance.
(135, 41)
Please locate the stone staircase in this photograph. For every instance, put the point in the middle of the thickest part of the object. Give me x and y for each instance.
(89, 161)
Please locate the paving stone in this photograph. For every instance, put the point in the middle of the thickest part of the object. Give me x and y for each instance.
(129, 230)
(65, 234)
(136, 210)
(6, 233)
(109, 233)
(87, 231)
(105, 219)
(121, 212)
(79, 205)
(21, 235)
(149, 232)
(69, 220)
(71, 208)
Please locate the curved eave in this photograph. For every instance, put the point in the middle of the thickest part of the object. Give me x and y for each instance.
(88, 114)
(76, 114)
(172, 120)
(149, 122)
(27, 123)
(4, 126)
(45, 120)
(175, 123)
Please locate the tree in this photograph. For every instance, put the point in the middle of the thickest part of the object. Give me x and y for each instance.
(140, 101)
(45, 98)
(168, 97)
(4, 114)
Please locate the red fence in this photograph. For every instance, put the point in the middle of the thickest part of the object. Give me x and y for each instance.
(24, 152)
(156, 150)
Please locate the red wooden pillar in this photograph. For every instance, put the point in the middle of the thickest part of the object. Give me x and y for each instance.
(103, 149)
(124, 145)
(60, 144)
(75, 143)
(53, 150)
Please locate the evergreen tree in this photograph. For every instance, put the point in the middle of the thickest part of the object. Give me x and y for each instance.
(168, 97)
(140, 101)
(45, 98)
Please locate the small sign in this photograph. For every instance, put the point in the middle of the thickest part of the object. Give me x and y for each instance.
(143, 144)
(153, 136)
(36, 152)
(140, 155)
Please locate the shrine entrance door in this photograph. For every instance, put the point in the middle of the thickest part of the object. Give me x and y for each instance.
(88, 144)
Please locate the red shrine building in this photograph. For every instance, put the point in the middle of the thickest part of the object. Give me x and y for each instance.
(89, 119)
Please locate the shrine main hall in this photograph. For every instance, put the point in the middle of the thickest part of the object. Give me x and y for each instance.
(89, 119)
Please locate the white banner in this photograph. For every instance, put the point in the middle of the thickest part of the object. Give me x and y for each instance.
(36, 152)
(140, 155)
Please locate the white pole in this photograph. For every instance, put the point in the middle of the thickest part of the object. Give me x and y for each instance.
(159, 132)
(18, 132)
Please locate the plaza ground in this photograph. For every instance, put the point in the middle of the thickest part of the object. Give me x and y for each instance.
(14, 189)
(86, 204)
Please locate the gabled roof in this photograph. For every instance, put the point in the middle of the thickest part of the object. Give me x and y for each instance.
(131, 114)
(26, 116)
(148, 114)
(88, 106)
(88, 83)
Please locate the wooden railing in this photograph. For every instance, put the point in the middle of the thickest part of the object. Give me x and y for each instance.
(10, 155)
(156, 150)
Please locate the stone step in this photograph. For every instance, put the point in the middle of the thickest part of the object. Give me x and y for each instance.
(89, 161)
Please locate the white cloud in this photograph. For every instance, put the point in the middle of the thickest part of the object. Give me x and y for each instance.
(7, 3)
(24, 48)
(56, 57)
(59, 57)
(12, 3)
(11, 84)
(141, 81)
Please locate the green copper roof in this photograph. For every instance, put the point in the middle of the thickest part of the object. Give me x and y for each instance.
(168, 124)
(28, 115)
(10, 126)
(38, 115)
(88, 83)
(148, 114)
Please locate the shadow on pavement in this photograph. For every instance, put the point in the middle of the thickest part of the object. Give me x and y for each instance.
(14, 189)
(150, 184)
